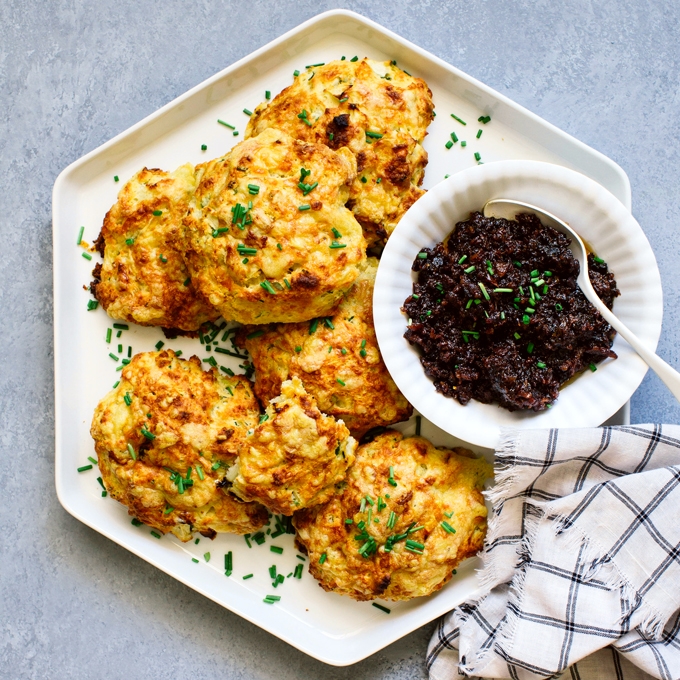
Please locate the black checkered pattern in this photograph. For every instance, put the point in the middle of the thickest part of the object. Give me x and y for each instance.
(582, 554)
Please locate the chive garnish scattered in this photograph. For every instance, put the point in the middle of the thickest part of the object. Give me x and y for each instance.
(267, 94)
(479, 134)
(375, 135)
(221, 122)
(340, 382)
(268, 287)
(84, 468)
(422, 256)
(306, 206)
(448, 144)
(477, 156)
(116, 179)
(379, 606)
(448, 528)
(313, 326)
(87, 256)
(592, 367)
(483, 289)
(540, 364)
(470, 269)
(155, 534)
(247, 112)
(460, 120)
(247, 576)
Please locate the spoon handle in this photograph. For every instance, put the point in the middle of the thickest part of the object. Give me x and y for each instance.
(668, 374)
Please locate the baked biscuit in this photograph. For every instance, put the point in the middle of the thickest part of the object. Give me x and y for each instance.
(339, 363)
(409, 513)
(143, 278)
(268, 237)
(296, 456)
(377, 111)
(165, 438)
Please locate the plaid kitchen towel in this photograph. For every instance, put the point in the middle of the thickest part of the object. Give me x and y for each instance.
(582, 554)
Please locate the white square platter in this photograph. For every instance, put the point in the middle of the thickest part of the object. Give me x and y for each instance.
(331, 628)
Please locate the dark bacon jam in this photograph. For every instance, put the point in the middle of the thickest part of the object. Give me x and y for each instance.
(497, 315)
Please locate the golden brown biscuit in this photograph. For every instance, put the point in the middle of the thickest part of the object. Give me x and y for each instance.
(262, 249)
(143, 278)
(339, 363)
(168, 421)
(374, 109)
(296, 456)
(402, 538)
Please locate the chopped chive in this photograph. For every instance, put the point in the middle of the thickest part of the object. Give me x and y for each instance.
(448, 144)
(268, 287)
(121, 326)
(159, 344)
(463, 143)
(340, 382)
(296, 73)
(87, 256)
(313, 326)
(157, 213)
(136, 523)
(199, 470)
(276, 549)
(80, 236)
(477, 156)
(335, 244)
(336, 233)
(375, 135)
(204, 147)
(271, 599)
(530, 347)
(462, 259)
(193, 559)
(355, 58)
(454, 137)
(92, 305)
(147, 434)
(597, 259)
(592, 367)
(116, 179)
(484, 119)
(247, 576)
(221, 122)
(483, 289)
(84, 468)
(526, 319)
(155, 534)
(267, 94)
(479, 134)
(559, 307)
(235, 133)
(304, 207)
(206, 556)
(247, 112)
(381, 607)
(470, 269)
(113, 356)
(448, 528)
(460, 120)
(390, 478)
(503, 290)
(253, 189)
(422, 256)
(469, 304)
(108, 335)
(168, 510)
(323, 558)
(540, 364)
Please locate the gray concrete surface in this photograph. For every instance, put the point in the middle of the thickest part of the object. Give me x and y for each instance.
(72, 75)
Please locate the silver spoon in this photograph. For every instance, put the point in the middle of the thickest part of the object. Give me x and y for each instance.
(508, 209)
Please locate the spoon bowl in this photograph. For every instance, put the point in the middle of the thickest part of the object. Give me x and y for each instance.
(508, 209)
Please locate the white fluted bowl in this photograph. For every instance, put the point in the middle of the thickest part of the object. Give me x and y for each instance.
(598, 217)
